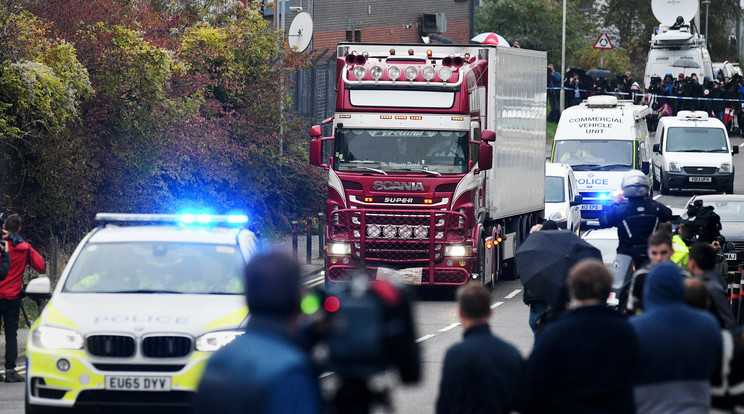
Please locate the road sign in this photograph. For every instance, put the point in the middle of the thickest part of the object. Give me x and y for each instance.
(603, 42)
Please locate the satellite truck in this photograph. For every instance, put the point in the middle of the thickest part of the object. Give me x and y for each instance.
(436, 161)
(677, 45)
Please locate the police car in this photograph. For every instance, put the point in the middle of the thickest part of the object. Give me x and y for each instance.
(141, 305)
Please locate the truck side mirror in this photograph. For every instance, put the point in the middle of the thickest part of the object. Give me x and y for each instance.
(657, 148)
(645, 167)
(734, 150)
(315, 131)
(39, 288)
(578, 200)
(316, 152)
(488, 136)
(485, 156)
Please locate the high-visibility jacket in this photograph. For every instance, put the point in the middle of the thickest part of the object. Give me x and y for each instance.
(681, 251)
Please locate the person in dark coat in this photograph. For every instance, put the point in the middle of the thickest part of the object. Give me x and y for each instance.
(582, 363)
(702, 264)
(481, 374)
(678, 348)
(264, 370)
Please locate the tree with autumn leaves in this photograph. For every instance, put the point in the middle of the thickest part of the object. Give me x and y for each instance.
(149, 106)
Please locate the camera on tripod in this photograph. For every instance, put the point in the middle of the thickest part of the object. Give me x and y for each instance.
(369, 330)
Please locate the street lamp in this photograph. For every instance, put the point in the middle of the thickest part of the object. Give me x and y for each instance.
(706, 3)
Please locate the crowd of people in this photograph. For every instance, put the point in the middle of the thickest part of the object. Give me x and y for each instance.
(671, 345)
(719, 98)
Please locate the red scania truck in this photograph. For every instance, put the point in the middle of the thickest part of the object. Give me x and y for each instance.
(436, 162)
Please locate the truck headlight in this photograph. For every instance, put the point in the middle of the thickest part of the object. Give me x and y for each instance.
(673, 166)
(458, 250)
(56, 338)
(559, 215)
(339, 248)
(725, 168)
(213, 341)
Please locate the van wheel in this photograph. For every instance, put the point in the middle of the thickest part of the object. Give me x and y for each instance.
(663, 186)
(730, 188)
(655, 182)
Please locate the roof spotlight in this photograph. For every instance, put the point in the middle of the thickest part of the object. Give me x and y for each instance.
(393, 72)
(428, 73)
(411, 73)
(445, 73)
(376, 72)
(359, 72)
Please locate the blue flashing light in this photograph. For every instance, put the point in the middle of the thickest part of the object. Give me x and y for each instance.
(187, 218)
(604, 196)
(204, 218)
(237, 219)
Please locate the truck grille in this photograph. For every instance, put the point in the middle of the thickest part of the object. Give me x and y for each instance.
(398, 237)
(110, 345)
(700, 170)
(166, 346)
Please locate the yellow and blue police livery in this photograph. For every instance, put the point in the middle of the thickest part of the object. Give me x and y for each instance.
(140, 307)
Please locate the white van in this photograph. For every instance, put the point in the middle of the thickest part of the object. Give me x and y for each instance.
(601, 139)
(562, 198)
(693, 151)
(668, 46)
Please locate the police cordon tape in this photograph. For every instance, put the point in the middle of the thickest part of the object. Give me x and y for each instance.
(651, 95)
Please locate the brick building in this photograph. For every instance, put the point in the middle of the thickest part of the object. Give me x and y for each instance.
(383, 21)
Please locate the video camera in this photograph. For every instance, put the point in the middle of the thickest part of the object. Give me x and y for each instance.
(369, 329)
(705, 222)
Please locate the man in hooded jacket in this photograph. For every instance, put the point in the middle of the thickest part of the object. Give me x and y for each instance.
(679, 348)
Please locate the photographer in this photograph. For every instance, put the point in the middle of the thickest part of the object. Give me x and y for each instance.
(21, 254)
(707, 223)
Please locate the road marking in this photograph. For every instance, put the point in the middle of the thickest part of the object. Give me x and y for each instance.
(656, 197)
(423, 338)
(511, 295)
(315, 282)
(447, 328)
(496, 304)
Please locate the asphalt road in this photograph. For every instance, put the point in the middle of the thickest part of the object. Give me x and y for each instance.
(438, 328)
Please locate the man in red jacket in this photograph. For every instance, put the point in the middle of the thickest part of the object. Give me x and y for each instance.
(21, 254)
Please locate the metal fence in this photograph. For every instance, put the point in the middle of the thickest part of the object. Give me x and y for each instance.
(313, 89)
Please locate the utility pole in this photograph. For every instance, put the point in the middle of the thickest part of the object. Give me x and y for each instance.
(563, 60)
(706, 3)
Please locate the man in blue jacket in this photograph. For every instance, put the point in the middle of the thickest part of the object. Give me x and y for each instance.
(264, 370)
(679, 348)
(481, 374)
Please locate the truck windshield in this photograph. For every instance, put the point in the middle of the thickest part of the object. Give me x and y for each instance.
(387, 150)
(554, 189)
(595, 155)
(696, 139)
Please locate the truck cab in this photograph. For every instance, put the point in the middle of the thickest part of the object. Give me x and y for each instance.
(601, 139)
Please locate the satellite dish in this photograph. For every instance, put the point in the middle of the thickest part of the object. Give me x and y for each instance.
(300, 32)
(667, 11)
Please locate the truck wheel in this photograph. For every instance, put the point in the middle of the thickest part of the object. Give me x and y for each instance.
(482, 266)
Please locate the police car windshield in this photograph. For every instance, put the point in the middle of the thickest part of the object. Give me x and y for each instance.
(696, 139)
(591, 155)
(406, 151)
(554, 189)
(157, 267)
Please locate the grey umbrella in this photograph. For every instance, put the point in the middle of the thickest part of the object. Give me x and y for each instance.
(685, 63)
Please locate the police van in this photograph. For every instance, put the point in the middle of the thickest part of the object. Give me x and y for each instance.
(141, 305)
(601, 139)
(693, 151)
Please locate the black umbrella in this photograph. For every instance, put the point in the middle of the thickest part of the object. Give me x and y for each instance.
(545, 258)
(685, 63)
(600, 73)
